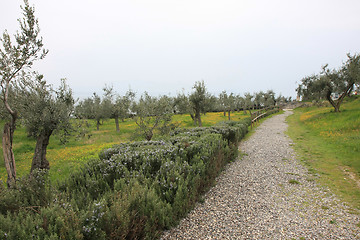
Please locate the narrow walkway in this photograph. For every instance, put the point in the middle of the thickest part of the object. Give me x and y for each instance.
(268, 195)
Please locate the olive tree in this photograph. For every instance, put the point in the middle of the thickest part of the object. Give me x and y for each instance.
(117, 106)
(332, 81)
(14, 59)
(100, 110)
(259, 100)
(281, 100)
(182, 104)
(222, 100)
(228, 102)
(122, 106)
(198, 101)
(84, 109)
(44, 110)
(248, 103)
(269, 98)
(210, 104)
(239, 102)
(151, 114)
(94, 108)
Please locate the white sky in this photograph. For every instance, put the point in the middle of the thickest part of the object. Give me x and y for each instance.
(164, 46)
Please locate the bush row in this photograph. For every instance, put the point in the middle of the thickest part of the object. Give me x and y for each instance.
(132, 191)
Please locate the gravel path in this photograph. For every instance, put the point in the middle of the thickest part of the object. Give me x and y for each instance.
(268, 194)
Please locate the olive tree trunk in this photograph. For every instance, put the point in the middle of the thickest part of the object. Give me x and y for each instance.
(198, 117)
(39, 160)
(336, 103)
(8, 153)
(98, 125)
(117, 124)
(193, 118)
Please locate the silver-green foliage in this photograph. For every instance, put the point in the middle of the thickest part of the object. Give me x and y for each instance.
(132, 191)
(43, 108)
(332, 81)
(15, 59)
(43, 111)
(152, 114)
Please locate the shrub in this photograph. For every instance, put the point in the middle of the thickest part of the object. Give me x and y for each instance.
(32, 191)
(132, 191)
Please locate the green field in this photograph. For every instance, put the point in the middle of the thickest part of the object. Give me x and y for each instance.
(329, 144)
(64, 159)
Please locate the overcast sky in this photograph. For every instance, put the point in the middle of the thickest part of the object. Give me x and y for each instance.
(164, 46)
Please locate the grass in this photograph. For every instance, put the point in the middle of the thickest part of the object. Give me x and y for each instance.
(329, 145)
(64, 159)
(293, 181)
(324, 207)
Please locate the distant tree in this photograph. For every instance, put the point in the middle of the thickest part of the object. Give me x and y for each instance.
(222, 100)
(94, 108)
(122, 107)
(44, 111)
(107, 103)
(269, 98)
(198, 101)
(259, 99)
(182, 104)
(151, 114)
(248, 102)
(85, 109)
(332, 81)
(239, 102)
(116, 105)
(281, 100)
(210, 104)
(228, 102)
(108, 107)
(15, 58)
(101, 110)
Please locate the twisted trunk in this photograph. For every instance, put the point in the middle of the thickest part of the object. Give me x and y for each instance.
(39, 160)
(8, 153)
(198, 117)
(336, 104)
(8, 136)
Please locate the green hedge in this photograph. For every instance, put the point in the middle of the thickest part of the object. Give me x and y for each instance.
(132, 191)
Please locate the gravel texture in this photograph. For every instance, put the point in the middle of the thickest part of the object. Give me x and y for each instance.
(268, 194)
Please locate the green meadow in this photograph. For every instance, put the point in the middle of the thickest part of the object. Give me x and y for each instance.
(64, 159)
(329, 145)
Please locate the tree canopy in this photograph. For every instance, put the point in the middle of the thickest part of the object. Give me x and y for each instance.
(151, 114)
(198, 100)
(44, 110)
(331, 82)
(15, 59)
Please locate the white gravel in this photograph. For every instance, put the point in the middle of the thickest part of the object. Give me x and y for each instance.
(268, 194)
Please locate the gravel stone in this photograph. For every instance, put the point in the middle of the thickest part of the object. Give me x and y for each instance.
(268, 195)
